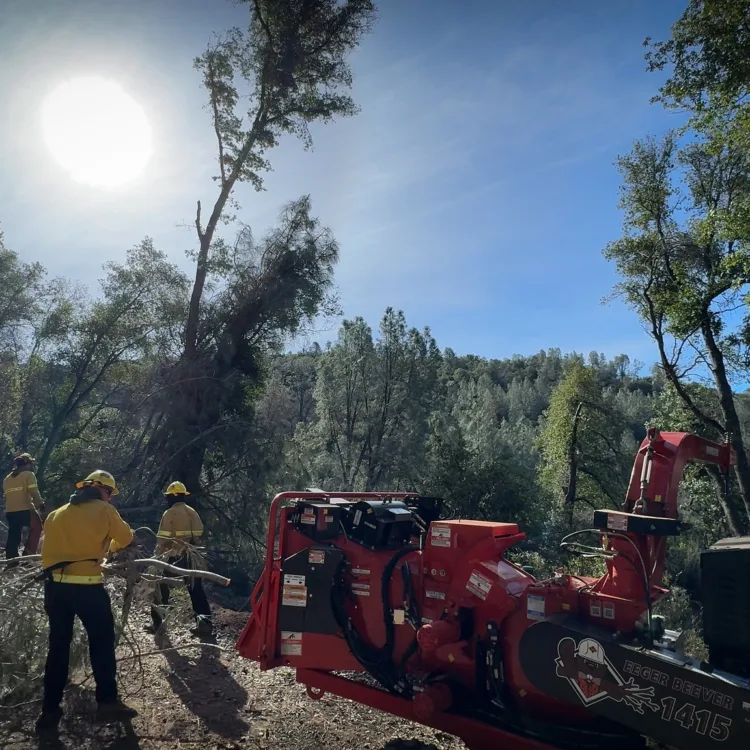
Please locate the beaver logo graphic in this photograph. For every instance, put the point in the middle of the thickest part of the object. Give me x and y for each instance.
(594, 678)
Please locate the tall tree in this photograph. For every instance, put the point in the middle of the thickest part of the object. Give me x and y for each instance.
(19, 291)
(582, 457)
(129, 322)
(372, 403)
(269, 288)
(291, 66)
(685, 268)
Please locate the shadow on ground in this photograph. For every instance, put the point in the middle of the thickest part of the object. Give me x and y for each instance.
(207, 688)
(77, 730)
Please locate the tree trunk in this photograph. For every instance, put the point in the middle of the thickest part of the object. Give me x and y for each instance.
(735, 520)
(26, 415)
(731, 419)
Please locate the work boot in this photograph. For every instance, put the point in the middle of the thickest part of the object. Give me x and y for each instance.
(117, 711)
(204, 626)
(48, 720)
(152, 628)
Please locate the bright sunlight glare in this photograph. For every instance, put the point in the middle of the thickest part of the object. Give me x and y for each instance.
(96, 132)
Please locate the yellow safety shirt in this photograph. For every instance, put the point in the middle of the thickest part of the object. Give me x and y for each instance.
(80, 533)
(178, 522)
(21, 492)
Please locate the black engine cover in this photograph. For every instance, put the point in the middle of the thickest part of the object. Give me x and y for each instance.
(661, 696)
(725, 584)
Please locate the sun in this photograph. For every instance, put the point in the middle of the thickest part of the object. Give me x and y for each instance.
(97, 132)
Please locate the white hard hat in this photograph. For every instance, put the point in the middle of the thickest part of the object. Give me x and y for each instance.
(591, 650)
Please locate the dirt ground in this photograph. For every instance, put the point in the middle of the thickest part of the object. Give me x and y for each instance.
(211, 699)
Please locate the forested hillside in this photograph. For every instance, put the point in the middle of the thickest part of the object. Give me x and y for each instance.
(87, 383)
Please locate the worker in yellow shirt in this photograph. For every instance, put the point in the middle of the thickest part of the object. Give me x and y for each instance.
(77, 537)
(23, 504)
(180, 525)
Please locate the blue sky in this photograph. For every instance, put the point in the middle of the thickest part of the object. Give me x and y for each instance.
(475, 191)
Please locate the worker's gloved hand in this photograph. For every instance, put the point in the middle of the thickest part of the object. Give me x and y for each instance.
(126, 554)
(131, 552)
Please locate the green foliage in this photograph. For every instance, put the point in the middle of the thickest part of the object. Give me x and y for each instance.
(601, 466)
(684, 270)
(372, 401)
(708, 54)
(292, 57)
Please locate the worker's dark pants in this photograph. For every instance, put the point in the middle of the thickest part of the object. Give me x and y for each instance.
(195, 588)
(62, 602)
(17, 521)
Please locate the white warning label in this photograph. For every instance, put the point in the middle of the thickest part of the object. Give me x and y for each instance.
(617, 522)
(479, 585)
(595, 609)
(434, 594)
(440, 536)
(316, 557)
(536, 607)
(608, 611)
(361, 589)
(291, 643)
(360, 572)
(294, 596)
(294, 592)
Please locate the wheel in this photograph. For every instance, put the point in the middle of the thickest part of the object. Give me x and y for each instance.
(399, 744)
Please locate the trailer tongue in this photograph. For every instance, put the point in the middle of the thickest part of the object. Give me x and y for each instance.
(374, 598)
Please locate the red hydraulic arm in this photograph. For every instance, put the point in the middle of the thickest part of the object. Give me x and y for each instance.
(653, 491)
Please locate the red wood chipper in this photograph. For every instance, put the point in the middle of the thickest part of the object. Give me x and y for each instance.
(375, 598)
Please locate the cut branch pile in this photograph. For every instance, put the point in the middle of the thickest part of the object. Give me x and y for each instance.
(129, 578)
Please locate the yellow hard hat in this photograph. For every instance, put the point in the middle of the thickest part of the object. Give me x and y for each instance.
(101, 477)
(177, 488)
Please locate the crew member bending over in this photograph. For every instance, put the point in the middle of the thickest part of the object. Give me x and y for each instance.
(180, 525)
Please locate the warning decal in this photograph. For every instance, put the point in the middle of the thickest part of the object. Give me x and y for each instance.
(294, 592)
(308, 517)
(361, 589)
(360, 572)
(434, 594)
(440, 536)
(479, 585)
(536, 607)
(294, 596)
(617, 522)
(291, 643)
(316, 557)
